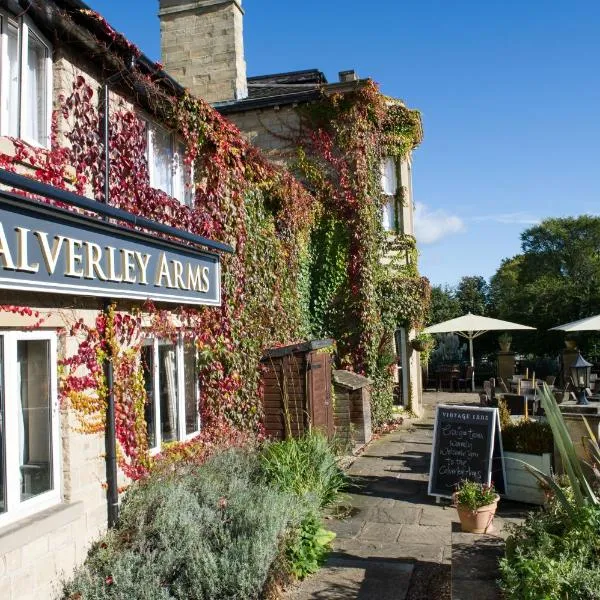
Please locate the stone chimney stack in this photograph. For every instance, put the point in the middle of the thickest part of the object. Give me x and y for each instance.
(202, 47)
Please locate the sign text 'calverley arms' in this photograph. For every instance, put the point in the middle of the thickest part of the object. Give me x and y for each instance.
(73, 254)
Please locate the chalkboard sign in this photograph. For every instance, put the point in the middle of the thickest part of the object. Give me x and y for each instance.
(465, 441)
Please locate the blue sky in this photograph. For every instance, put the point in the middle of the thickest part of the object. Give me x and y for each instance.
(509, 91)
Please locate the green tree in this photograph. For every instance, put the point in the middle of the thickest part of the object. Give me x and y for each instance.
(443, 306)
(554, 280)
(472, 294)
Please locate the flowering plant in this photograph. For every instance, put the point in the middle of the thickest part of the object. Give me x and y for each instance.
(474, 495)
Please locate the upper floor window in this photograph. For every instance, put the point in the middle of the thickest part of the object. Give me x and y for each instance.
(26, 82)
(29, 424)
(172, 390)
(168, 171)
(389, 186)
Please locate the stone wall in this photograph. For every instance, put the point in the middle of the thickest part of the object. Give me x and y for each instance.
(273, 130)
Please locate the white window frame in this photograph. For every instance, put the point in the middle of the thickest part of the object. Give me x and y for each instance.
(24, 27)
(181, 416)
(184, 195)
(15, 507)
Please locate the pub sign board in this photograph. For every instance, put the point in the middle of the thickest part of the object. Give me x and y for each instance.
(46, 249)
(466, 445)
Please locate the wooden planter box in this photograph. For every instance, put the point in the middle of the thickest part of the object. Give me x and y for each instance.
(521, 485)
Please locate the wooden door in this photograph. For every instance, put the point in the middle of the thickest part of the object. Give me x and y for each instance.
(318, 375)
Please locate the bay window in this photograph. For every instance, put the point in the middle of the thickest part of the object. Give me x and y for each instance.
(168, 171)
(172, 392)
(26, 82)
(29, 426)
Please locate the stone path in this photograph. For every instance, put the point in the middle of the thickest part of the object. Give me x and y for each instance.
(396, 542)
(394, 530)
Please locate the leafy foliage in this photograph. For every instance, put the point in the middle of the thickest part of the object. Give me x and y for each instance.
(204, 533)
(305, 466)
(358, 298)
(555, 279)
(553, 555)
(527, 436)
(309, 547)
(474, 495)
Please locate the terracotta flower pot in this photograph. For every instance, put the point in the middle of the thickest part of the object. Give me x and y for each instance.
(505, 346)
(479, 520)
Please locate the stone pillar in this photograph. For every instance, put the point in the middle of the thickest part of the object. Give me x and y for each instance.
(505, 364)
(202, 47)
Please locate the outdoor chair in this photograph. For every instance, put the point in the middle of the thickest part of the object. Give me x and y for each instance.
(550, 379)
(466, 382)
(447, 376)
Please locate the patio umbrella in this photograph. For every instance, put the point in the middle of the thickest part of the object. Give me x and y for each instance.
(471, 326)
(587, 324)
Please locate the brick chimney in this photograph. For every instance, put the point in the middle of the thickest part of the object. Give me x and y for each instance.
(202, 47)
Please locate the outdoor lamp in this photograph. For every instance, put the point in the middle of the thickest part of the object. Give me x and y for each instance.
(580, 372)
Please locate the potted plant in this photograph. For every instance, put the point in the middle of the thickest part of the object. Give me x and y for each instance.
(525, 442)
(505, 340)
(423, 342)
(476, 504)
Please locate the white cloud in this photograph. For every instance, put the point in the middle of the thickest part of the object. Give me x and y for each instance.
(518, 218)
(433, 225)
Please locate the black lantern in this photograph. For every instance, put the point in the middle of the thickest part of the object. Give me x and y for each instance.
(580, 372)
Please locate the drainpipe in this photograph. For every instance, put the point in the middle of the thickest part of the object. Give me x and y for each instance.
(110, 436)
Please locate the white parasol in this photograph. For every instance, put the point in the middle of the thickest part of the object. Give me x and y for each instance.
(471, 326)
(587, 324)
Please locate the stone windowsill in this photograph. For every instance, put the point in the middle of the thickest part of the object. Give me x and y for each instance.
(22, 532)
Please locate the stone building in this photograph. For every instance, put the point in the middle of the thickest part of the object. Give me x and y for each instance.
(52, 498)
(202, 45)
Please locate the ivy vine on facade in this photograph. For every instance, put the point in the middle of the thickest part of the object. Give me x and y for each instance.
(312, 257)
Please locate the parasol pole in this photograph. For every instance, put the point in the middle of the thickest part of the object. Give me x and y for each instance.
(472, 361)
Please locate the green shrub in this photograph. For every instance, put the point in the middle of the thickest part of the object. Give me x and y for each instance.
(204, 533)
(554, 556)
(305, 466)
(308, 547)
(527, 436)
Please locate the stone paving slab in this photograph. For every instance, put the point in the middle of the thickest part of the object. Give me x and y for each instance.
(395, 541)
(346, 578)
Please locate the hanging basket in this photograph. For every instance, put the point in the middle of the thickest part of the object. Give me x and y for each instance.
(420, 345)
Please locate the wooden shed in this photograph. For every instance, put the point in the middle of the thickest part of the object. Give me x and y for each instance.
(352, 407)
(297, 389)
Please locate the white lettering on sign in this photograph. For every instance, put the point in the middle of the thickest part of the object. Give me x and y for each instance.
(82, 259)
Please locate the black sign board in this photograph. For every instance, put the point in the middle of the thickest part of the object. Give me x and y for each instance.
(46, 249)
(466, 445)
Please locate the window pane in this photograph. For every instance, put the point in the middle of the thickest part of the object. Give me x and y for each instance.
(2, 435)
(389, 215)
(35, 417)
(12, 98)
(148, 367)
(191, 388)
(167, 378)
(34, 123)
(162, 160)
(389, 182)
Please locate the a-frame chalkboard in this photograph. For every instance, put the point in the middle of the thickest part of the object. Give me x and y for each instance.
(466, 445)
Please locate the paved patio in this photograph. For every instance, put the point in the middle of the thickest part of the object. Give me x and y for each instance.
(396, 542)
